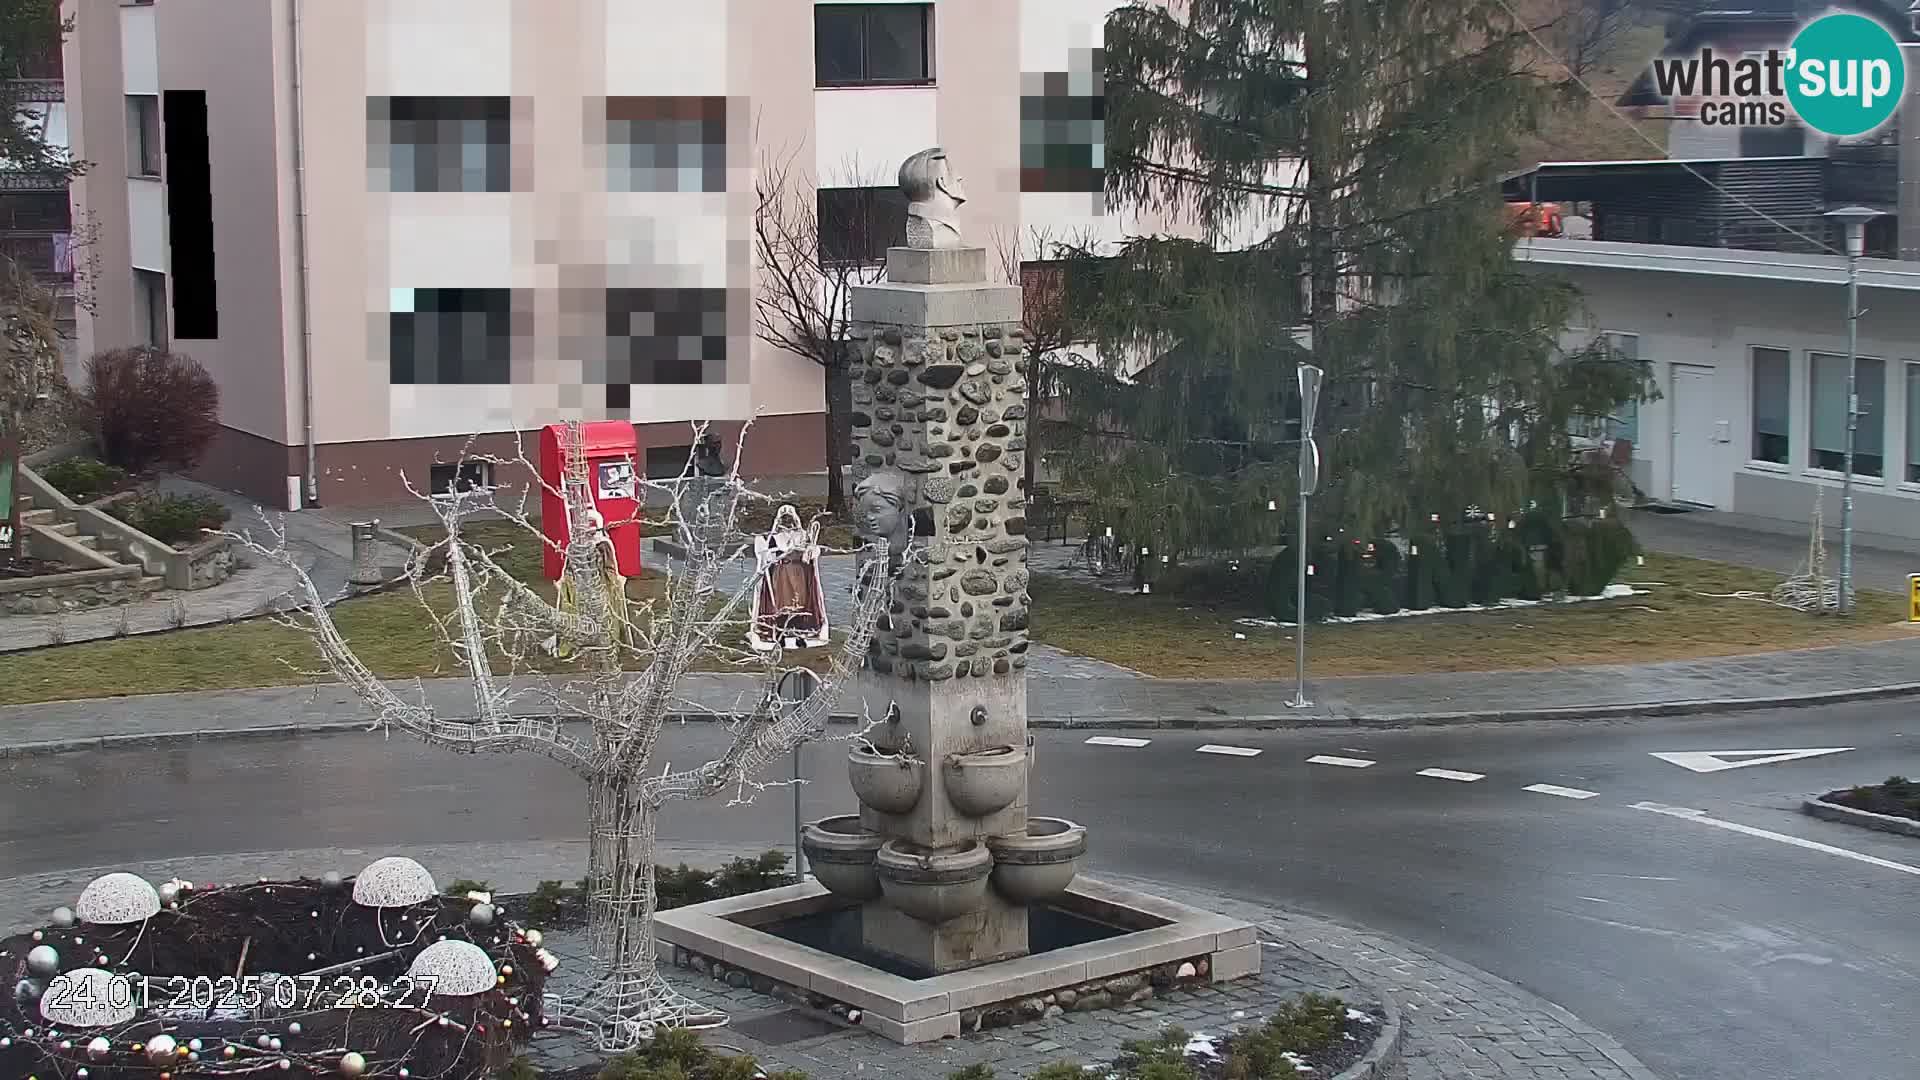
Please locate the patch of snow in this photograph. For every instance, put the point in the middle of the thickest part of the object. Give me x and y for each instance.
(1299, 1064)
(1356, 1014)
(1201, 1046)
(1612, 592)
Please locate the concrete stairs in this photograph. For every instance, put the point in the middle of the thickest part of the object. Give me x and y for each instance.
(56, 540)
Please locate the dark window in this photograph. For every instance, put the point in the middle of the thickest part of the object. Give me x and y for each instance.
(453, 336)
(1772, 388)
(666, 336)
(150, 308)
(1787, 141)
(442, 143)
(667, 462)
(667, 144)
(858, 225)
(143, 135)
(867, 44)
(446, 478)
(1063, 129)
(196, 311)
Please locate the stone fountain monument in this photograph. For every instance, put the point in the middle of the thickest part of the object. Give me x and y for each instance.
(943, 896)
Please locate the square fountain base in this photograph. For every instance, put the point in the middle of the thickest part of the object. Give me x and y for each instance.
(804, 936)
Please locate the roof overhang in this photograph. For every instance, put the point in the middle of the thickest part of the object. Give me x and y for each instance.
(1717, 262)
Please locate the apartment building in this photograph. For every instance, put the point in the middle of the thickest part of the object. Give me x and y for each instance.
(386, 226)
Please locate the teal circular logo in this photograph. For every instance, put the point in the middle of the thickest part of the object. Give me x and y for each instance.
(1845, 76)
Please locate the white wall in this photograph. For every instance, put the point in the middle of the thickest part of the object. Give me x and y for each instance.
(1712, 322)
(139, 51)
(147, 223)
(862, 134)
(667, 50)
(411, 50)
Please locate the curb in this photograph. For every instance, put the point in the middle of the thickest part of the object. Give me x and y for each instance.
(1110, 723)
(1862, 819)
(1384, 1060)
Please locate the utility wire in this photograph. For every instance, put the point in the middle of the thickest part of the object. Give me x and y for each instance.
(1643, 137)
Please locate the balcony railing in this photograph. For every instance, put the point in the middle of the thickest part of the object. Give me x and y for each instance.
(25, 90)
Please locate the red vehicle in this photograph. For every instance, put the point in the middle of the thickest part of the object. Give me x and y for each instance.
(1534, 219)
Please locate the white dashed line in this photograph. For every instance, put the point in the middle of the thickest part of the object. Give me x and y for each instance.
(1115, 740)
(1563, 792)
(1452, 774)
(1230, 751)
(1343, 762)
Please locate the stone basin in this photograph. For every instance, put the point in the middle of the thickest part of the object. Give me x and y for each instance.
(1038, 866)
(840, 855)
(986, 781)
(886, 781)
(934, 885)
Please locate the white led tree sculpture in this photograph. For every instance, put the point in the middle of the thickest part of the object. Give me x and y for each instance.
(604, 716)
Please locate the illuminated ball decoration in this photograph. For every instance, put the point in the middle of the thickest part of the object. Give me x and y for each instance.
(83, 998)
(331, 880)
(481, 915)
(395, 881)
(63, 917)
(454, 968)
(534, 938)
(352, 1064)
(117, 900)
(161, 1049)
(99, 1048)
(43, 961)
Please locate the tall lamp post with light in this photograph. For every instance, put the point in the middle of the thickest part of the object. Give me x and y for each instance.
(1310, 378)
(1854, 219)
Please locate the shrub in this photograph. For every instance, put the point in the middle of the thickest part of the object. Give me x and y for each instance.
(545, 902)
(1594, 553)
(463, 886)
(1232, 583)
(84, 479)
(1282, 584)
(171, 519)
(151, 408)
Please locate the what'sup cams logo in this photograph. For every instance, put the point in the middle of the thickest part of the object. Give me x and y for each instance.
(1843, 75)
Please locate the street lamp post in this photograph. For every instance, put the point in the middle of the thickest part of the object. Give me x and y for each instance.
(1309, 378)
(795, 687)
(1854, 219)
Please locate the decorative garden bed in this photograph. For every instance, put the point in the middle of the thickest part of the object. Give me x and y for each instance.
(1890, 807)
(376, 975)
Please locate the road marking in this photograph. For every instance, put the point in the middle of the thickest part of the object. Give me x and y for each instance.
(1595, 900)
(1452, 774)
(1705, 761)
(1115, 740)
(1343, 762)
(1230, 751)
(1700, 816)
(1563, 792)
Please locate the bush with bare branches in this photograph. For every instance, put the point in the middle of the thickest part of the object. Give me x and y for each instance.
(151, 408)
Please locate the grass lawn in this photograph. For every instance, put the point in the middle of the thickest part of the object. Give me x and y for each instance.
(1155, 635)
(1148, 633)
(389, 632)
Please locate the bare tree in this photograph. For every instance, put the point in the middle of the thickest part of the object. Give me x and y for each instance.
(606, 723)
(1038, 264)
(807, 269)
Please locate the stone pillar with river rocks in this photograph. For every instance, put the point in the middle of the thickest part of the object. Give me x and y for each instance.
(939, 426)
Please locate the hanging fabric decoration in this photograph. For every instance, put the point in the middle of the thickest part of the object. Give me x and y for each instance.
(615, 585)
(789, 606)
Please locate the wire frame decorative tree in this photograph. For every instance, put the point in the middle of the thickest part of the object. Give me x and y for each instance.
(605, 723)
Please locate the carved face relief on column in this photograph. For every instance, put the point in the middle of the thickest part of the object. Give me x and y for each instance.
(881, 513)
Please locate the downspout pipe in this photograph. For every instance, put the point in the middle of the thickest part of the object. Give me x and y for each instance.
(304, 346)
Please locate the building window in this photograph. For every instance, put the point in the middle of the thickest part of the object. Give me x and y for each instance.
(667, 144)
(666, 336)
(150, 308)
(441, 143)
(1829, 412)
(143, 135)
(858, 225)
(667, 462)
(1625, 423)
(1063, 127)
(1913, 423)
(444, 337)
(446, 478)
(872, 44)
(1772, 382)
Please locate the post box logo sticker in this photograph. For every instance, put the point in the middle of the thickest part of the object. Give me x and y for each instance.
(616, 480)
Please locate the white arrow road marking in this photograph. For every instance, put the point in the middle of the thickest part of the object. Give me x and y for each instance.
(1452, 774)
(1563, 792)
(1343, 762)
(1700, 816)
(1115, 740)
(1704, 761)
(1230, 751)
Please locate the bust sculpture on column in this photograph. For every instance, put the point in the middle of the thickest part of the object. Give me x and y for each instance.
(934, 197)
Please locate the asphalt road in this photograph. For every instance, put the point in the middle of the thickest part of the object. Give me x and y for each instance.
(1713, 953)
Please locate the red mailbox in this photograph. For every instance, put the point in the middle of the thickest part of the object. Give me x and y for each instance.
(611, 450)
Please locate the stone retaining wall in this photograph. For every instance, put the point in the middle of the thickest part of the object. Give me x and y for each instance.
(47, 594)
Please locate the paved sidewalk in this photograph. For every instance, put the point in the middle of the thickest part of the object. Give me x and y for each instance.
(1880, 562)
(1460, 1023)
(1810, 676)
